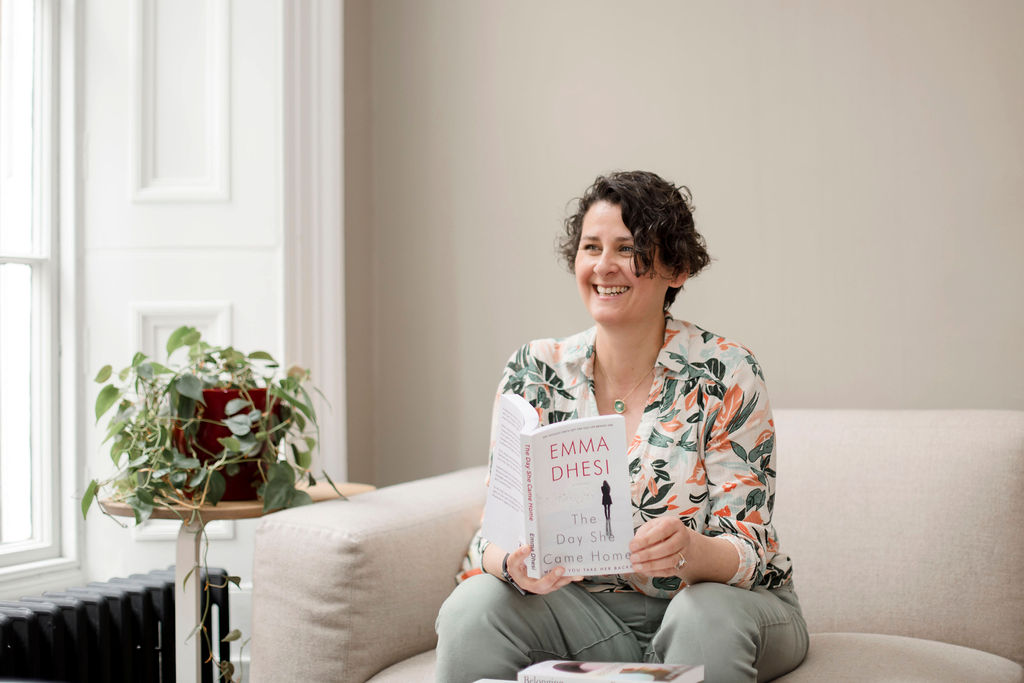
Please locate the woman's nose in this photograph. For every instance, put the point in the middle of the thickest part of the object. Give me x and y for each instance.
(606, 264)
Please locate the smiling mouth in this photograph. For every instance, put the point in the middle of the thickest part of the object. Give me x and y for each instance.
(610, 291)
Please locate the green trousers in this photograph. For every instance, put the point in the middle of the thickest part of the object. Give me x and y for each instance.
(488, 630)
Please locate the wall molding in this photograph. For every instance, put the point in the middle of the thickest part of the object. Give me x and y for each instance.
(212, 318)
(211, 182)
(314, 257)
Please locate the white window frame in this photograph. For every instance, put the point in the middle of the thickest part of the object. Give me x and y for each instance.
(51, 559)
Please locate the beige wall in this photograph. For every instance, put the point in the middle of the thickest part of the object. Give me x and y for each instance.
(857, 169)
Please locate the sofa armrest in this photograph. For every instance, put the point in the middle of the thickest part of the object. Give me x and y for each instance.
(344, 589)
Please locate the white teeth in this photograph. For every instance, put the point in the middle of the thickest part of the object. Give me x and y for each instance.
(610, 291)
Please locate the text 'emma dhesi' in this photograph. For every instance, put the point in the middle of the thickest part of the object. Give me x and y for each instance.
(590, 467)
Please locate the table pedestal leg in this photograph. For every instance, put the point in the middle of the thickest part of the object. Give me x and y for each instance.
(187, 646)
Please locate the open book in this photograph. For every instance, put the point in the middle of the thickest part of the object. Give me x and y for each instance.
(562, 489)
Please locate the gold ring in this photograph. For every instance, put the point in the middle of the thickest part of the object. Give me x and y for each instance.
(681, 562)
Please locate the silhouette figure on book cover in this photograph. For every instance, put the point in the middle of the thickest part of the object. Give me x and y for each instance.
(606, 501)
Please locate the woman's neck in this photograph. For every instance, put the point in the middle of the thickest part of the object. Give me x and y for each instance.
(627, 352)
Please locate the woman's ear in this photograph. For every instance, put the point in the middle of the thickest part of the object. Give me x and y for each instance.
(679, 279)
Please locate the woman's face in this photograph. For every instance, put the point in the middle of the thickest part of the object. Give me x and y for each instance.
(612, 292)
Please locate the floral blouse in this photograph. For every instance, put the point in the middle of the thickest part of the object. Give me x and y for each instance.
(704, 449)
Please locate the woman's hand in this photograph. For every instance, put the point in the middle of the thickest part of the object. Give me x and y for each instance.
(658, 546)
(548, 583)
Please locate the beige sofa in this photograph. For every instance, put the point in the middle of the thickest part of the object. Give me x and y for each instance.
(906, 529)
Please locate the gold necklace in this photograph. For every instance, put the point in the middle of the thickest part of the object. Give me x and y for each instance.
(619, 404)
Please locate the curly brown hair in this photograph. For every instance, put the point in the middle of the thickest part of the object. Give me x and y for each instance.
(658, 214)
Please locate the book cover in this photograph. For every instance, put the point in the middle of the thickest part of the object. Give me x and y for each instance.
(560, 671)
(562, 489)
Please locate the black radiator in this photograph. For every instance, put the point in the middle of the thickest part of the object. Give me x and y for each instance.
(117, 630)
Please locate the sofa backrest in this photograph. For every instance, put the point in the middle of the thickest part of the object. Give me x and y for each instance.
(906, 522)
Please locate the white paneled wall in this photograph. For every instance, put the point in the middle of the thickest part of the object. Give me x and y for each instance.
(182, 212)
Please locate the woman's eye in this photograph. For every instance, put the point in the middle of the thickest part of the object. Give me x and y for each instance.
(626, 250)
(589, 247)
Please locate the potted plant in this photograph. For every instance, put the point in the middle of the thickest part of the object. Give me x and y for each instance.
(222, 425)
(216, 425)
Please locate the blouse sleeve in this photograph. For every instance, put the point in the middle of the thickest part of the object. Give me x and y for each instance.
(739, 453)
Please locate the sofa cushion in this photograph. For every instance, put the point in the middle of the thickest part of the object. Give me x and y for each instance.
(347, 588)
(856, 657)
(418, 669)
(906, 522)
(835, 657)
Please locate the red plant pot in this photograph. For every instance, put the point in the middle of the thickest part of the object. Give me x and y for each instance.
(243, 485)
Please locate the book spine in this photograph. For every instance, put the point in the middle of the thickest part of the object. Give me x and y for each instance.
(530, 510)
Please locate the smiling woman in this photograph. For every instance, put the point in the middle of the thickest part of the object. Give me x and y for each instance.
(709, 582)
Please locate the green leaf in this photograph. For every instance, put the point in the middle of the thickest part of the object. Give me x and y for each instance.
(742, 414)
(180, 461)
(160, 369)
(186, 407)
(216, 487)
(249, 444)
(177, 338)
(135, 463)
(755, 499)
(261, 355)
(276, 494)
(280, 487)
(141, 509)
(739, 450)
(333, 486)
(666, 583)
(233, 636)
(198, 479)
(230, 443)
(306, 409)
(302, 458)
(88, 497)
(234, 405)
(191, 338)
(138, 358)
(191, 386)
(299, 498)
(145, 371)
(281, 471)
(108, 396)
(659, 440)
(764, 449)
(239, 425)
(716, 367)
(103, 375)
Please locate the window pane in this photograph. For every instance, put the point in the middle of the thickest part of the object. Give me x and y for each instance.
(15, 402)
(17, 34)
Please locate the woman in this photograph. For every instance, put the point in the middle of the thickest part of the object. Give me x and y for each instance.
(710, 584)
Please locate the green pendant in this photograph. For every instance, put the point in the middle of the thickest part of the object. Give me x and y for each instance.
(619, 406)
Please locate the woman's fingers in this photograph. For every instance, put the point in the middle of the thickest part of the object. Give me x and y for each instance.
(552, 581)
(656, 546)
